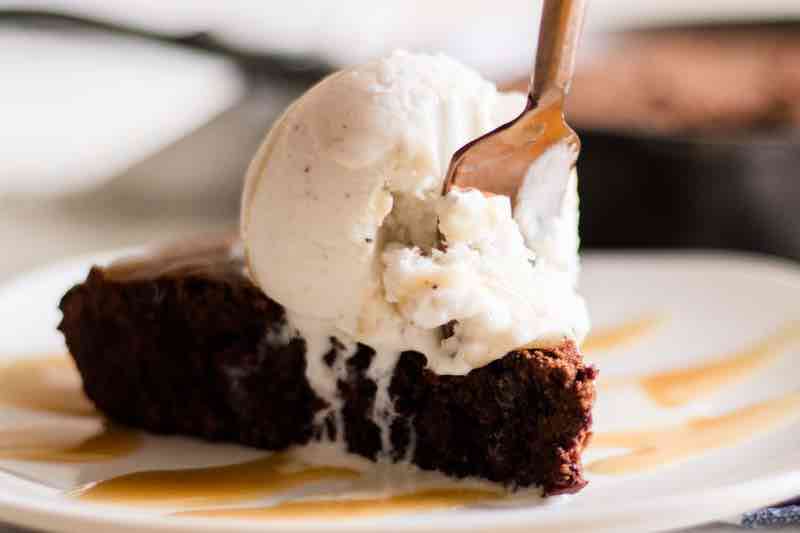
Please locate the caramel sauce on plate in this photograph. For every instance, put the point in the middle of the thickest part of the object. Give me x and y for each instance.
(78, 435)
(420, 501)
(623, 334)
(275, 474)
(679, 387)
(50, 384)
(212, 485)
(674, 388)
(55, 443)
(218, 256)
(654, 448)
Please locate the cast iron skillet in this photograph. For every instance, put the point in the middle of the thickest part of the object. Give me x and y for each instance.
(731, 190)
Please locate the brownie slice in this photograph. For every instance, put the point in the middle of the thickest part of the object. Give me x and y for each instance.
(183, 342)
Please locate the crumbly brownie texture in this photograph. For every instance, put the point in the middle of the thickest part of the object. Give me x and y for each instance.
(185, 343)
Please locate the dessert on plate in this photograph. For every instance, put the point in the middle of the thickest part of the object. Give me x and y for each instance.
(360, 310)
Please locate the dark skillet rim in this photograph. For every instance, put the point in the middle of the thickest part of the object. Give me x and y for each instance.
(785, 137)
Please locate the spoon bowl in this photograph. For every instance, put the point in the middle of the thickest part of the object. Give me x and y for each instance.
(498, 162)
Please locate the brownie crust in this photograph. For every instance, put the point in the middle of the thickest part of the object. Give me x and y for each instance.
(193, 347)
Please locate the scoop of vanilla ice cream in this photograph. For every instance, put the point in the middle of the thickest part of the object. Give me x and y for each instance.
(340, 210)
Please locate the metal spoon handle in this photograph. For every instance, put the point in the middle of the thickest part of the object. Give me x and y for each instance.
(560, 30)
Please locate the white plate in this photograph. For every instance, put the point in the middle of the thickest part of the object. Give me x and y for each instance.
(714, 304)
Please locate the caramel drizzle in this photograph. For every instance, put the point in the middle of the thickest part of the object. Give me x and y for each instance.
(41, 444)
(675, 388)
(216, 256)
(679, 387)
(421, 501)
(623, 334)
(211, 485)
(658, 447)
(52, 385)
(79, 435)
(49, 384)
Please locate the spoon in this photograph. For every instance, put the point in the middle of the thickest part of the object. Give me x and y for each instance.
(498, 162)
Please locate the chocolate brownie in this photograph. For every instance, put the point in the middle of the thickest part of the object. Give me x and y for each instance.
(183, 342)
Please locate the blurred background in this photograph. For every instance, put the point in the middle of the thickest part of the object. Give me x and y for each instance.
(126, 122)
